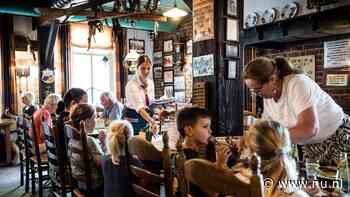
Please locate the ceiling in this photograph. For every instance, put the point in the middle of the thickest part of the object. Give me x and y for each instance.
(32, 8)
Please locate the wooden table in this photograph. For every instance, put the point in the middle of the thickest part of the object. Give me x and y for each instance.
(5, 125)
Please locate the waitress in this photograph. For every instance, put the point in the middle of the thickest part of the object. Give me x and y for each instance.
(139, 95)
(298, 103)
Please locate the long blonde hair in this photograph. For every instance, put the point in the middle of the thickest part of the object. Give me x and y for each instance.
(272, 143)
(120, 132)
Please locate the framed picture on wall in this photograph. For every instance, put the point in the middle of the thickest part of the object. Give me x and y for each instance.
(232, 50)
(157, 57)
(169, 91)
(138, 45)
(168, 76)
(232, 8)
(232, 69)
(168, 61)
(168, 46)
(232, 29)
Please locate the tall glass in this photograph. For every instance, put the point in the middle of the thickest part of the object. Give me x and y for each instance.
(312, 167)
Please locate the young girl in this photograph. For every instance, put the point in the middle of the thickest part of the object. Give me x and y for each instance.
(114, 166)
(86, 113)
(272, 143)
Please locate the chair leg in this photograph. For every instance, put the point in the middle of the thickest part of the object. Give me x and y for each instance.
(21, 169)
(33, 177)
(40, 181)
(27, 176)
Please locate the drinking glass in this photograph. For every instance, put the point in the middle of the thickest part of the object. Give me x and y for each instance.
(312, 167)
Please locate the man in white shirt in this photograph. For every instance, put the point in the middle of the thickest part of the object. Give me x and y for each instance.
(298, 103)
(139, 95)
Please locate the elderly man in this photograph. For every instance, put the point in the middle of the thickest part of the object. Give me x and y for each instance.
(112, 108)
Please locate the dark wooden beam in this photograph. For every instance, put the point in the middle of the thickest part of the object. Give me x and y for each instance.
(49, 14)
(24, 4)
(188, 3)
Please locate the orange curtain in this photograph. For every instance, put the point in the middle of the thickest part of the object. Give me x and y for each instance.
(80, 34)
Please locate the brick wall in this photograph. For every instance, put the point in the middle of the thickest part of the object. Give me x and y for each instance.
(340, 94)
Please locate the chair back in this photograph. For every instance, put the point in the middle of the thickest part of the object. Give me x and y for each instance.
(80, 137)
(180, 171)
(146, 182)
(60, 177)
(207, 175)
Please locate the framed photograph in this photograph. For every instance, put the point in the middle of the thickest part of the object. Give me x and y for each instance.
(203, 65)
(232, 8)
(179, 83)
(168, 61)
(232, 69)
(169, 91)
(138, 45)
(232, 50)
(157, 57)
(157, 72)
(232, 29)
(168, 76)
(168, 46)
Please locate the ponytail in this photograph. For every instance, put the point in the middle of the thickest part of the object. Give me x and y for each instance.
(121, 131)
(284, 68)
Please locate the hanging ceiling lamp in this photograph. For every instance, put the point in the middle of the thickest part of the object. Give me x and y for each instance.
(175, 12)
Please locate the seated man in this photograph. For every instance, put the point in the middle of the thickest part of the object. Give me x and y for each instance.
(112, 108)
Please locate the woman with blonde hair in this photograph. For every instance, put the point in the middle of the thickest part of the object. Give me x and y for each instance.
(272, 143)
(114, 166)
(45, 114)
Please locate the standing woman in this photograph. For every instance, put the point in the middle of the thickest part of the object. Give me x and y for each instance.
(139, 95)
(298, 103)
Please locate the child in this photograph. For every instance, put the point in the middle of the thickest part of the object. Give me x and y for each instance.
(114, 166)
(272, 143)
(86, 113)
(194, 124)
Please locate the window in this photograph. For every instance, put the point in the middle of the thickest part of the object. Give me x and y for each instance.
(93, 71)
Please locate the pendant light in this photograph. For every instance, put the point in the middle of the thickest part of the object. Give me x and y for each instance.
(175, 12)
(132, 56)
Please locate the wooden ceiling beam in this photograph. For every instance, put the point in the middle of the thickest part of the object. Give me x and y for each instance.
(49, 14)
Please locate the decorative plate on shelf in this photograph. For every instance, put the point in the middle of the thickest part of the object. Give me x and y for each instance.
(252, 20)
(289, 11)
(268, 16)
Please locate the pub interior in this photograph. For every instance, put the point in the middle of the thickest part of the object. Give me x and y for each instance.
(174, 98)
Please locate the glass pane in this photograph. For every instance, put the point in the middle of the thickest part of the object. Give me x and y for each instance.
(101, 76)
(81, 72)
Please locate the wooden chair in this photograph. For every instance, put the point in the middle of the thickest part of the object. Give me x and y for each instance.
(146, 182)
(59, 178)
(20, 143)
(26, 148)
(207, 175)
(180, 159)
(39, 164)
(87, 179)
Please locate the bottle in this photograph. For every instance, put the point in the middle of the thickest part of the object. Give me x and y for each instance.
(295, 155)
(343, 171)
(149, 134)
